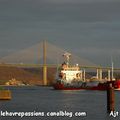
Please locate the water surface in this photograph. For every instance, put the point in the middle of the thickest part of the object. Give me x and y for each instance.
(45, 99)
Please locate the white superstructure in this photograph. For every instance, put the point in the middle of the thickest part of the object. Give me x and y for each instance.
(67, 73)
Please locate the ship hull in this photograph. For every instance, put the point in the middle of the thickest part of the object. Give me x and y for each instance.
(62, 87)
(100, 86)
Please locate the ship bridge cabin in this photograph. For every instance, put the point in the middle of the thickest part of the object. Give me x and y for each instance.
(69, 74)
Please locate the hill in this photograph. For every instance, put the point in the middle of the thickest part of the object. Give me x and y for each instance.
(8, 73)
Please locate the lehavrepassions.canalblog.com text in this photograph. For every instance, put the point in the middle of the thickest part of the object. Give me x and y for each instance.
(43, 114)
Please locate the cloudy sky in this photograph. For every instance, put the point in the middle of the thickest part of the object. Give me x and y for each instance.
(88, 28)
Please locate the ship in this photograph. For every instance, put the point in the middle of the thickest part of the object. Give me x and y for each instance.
(71, 77)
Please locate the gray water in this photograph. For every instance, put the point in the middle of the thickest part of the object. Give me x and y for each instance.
(26, 99)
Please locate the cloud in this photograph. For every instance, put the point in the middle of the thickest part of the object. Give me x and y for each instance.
(89, 26)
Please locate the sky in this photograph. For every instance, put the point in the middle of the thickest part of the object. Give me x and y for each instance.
(87, 28)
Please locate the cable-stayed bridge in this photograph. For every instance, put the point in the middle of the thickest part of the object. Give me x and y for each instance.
(34, 55)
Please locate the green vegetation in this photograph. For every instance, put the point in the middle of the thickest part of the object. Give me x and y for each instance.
(1, 88)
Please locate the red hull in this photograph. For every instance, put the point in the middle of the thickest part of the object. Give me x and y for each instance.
(101, 86)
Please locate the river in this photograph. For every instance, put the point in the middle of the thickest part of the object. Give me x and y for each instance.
(90, 105)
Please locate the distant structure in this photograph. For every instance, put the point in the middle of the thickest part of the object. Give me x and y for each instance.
(34, 55)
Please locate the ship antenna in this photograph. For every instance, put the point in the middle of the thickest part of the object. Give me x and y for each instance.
(112, 69)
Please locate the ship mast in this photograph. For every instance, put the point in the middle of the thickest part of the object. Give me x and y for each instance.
(112, 71)
(67, 57)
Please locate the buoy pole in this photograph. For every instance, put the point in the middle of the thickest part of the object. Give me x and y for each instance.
(110, 98)
(44, 64)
